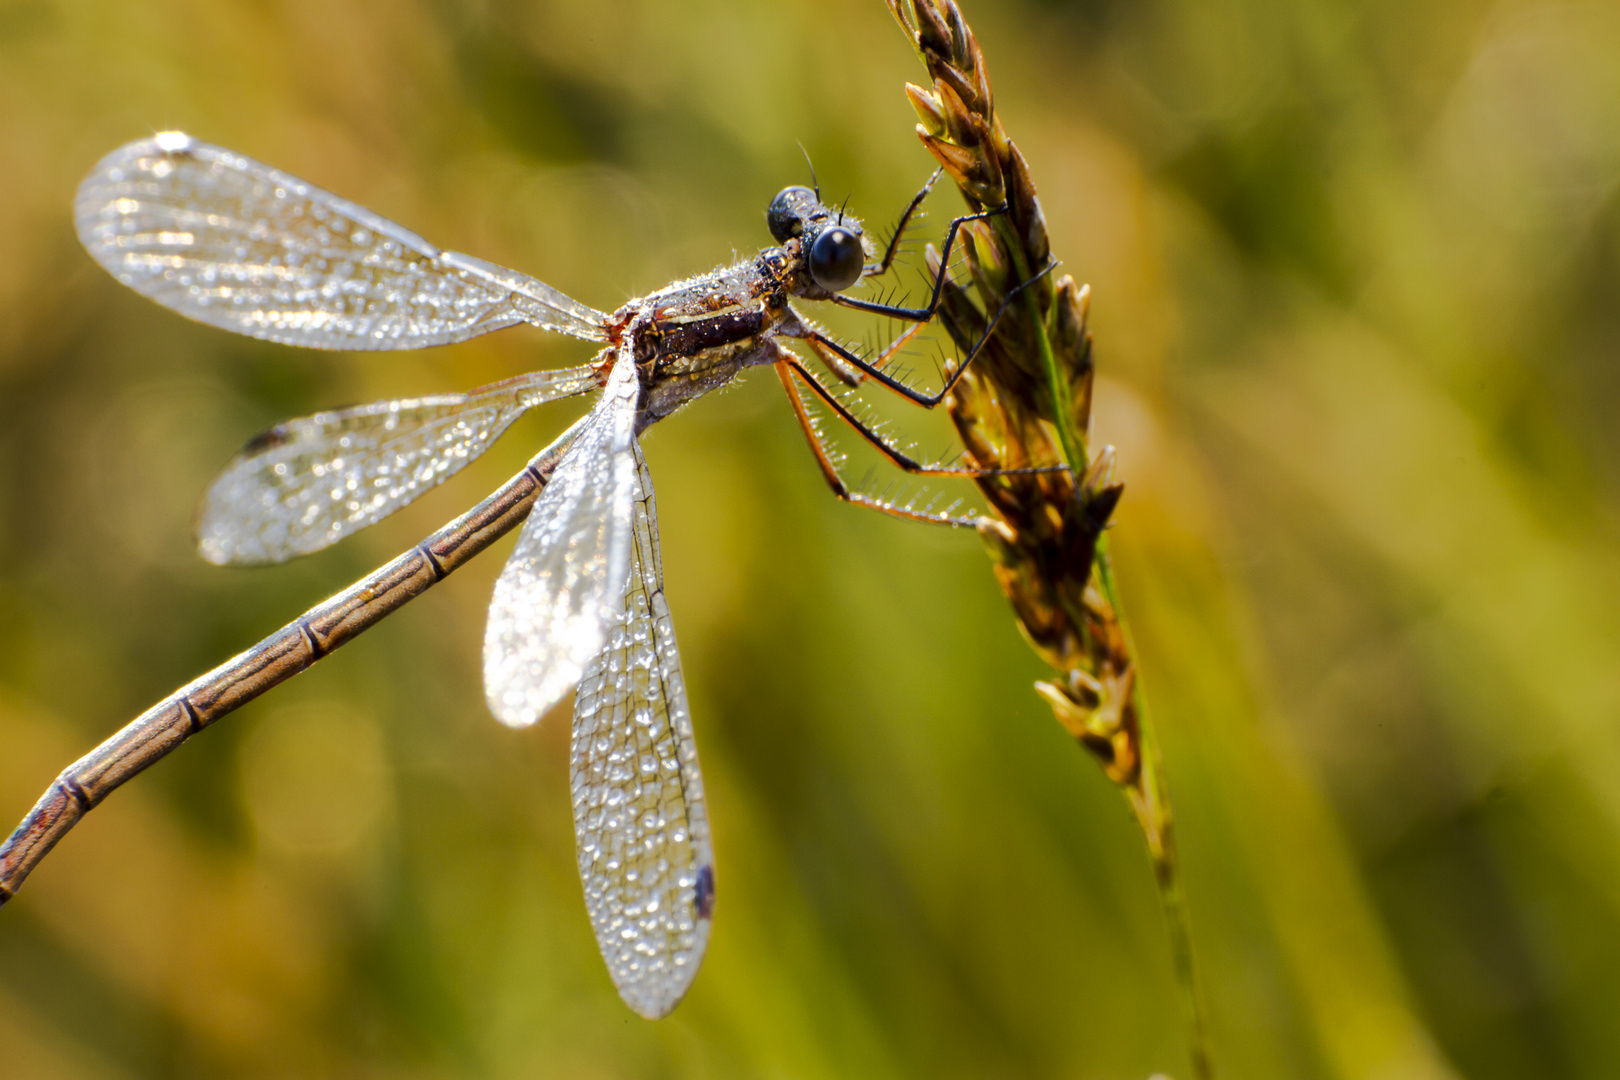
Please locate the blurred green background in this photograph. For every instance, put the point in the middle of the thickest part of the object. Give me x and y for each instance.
(1357, 303)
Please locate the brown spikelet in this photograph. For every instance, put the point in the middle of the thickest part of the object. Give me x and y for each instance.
(1026, 401)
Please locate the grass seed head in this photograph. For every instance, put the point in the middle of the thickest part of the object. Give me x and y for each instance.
(1044, 536)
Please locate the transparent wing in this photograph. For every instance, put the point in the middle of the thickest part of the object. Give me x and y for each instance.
(310, 482)
(227, 241)
(561, 586)
(639, 819)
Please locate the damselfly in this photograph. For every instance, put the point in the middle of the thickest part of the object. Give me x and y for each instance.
(230, 242)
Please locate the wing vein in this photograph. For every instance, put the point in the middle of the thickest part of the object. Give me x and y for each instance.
(227, 241)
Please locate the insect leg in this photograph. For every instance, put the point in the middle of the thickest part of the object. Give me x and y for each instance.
(788, 366)
(847, 372)
(899, 457)
(873, 368)
(882, 265)
(830, 471)
(920, 314)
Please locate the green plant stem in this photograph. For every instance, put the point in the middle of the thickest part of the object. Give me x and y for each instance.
(1158, 829)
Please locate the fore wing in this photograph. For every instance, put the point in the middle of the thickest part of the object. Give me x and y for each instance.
(639, 820)
(559, 589)
(227, 241)
(309, 482)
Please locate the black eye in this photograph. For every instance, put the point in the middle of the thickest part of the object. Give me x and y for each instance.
(836, 259)
(785, 216)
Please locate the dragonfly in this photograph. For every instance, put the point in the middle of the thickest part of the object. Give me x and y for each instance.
(580, 604)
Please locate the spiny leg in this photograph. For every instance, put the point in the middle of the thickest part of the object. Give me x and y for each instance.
(823, 344)
(925, 313)
(830, 471)
(882, 266)
(788, 366)
(849, 374)
(852, 374)
(897, 456)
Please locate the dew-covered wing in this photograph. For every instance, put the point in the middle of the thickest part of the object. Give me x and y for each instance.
(307, 483)
(639, 819)
(561, 586)
(227, 241)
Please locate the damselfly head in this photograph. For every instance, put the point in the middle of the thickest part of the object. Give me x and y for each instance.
(837, 256)
(834, 249)
(789, 211)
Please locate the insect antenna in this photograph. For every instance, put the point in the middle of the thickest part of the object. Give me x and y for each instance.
(815, 185)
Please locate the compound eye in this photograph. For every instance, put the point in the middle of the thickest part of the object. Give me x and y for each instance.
(836, 259)
(785, 215)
